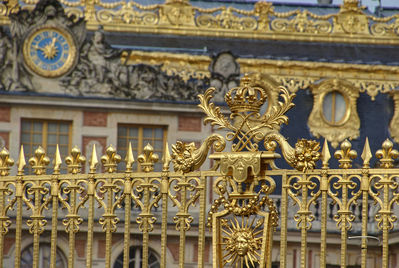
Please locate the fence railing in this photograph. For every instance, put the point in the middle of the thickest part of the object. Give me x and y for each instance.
(241, 216)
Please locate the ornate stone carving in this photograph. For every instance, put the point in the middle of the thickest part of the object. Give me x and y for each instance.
(225, 73)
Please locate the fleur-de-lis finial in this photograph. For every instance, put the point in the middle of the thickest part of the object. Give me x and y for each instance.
(147, 159)
(345, 155)
(5, 162)
(75, 160)
(111, 159)
(39, 161)
(387, 154)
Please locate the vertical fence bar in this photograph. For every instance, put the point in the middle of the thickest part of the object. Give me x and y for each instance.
(385, 212)
(91, 188)
(3, 219)
(54, 197)
(365, 185)
(324, 185)
(18, 195)
(38, 162)
(164, 223)
(36, 218)
(110, 161)
(109, 222)
(182, 219)
(283, 229)
(70, 230)
(128, 202)
(323, 229)
(201, 225)
(303, 213)
(364, 226)
(344, 213)
(146, 226)
(165, 194)
(126, 236)
(90, 220)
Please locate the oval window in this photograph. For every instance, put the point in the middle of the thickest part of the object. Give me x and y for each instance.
(335, 108)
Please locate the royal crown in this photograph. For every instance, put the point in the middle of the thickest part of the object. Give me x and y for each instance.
(245, 98)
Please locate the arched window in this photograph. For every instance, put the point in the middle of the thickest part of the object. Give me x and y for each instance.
(44, 257)
(135, 256)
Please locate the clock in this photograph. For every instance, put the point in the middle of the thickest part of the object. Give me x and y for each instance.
(49, 51)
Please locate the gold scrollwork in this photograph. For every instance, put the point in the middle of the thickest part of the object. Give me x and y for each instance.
(301, 24)
(187, 158)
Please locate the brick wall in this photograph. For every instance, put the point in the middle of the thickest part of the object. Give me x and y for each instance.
(95, 119)
(5, 113)
(190, 123)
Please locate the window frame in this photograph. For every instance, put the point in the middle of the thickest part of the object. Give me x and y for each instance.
(140, 140)
(44, 133)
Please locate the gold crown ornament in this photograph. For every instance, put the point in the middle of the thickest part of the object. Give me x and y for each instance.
(245, 98)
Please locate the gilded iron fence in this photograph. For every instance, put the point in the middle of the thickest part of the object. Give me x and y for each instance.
(243, 216)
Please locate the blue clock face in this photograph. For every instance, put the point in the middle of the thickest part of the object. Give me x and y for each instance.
(49, 51)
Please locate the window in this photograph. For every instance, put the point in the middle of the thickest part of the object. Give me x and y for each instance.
(335, 108)
(44, 257)
(135, 255)
(140, 136)
(46, 134)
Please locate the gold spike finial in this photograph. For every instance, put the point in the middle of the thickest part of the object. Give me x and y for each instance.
(325, 154)
(21, 161)
(366, 154)
(129, 159)
(57, 161)
(166, 158)
(93, 160)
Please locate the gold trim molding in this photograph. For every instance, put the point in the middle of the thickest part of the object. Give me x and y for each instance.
(185, 65)
(348, 126)
(350, 25)
(294, 75)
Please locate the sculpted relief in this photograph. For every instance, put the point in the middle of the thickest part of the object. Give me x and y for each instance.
(45, 51)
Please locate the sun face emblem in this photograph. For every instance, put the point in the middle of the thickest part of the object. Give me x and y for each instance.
(50, 50)
(243, 241)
